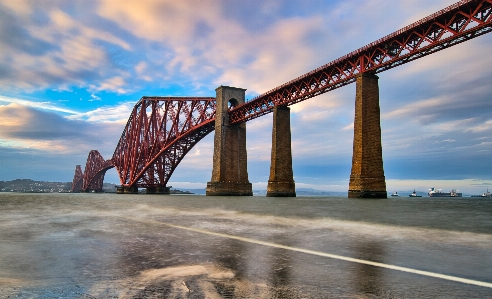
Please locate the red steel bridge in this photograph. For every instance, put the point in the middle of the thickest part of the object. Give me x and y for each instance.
(162, 130)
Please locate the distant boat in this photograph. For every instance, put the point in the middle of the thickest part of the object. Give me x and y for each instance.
(414, 194)
(395, 194)
(486, 194)
(438, 193)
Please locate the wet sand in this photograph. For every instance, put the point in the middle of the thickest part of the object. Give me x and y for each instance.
(137, 246)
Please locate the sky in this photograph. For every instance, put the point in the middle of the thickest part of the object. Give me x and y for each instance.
(71, 71)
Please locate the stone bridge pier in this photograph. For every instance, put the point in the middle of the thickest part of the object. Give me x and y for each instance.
(230, 173)
(230, 164)
(367, 176)
(126, 190)
(281, 182)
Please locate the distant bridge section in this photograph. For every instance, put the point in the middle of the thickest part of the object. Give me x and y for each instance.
(78, 179)
(95, 169)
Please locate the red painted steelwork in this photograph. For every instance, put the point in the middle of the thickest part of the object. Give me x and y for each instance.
(453, 25)
(162, 130)
(78, 178)
(158, 134)
(94, 172)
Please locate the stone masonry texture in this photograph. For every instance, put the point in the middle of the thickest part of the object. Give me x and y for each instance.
(367, 176)
(230, 164)
(281, 181)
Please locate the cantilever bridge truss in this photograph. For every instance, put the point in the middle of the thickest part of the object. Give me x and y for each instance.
(162, 130)
(159, 133)
(157, 136)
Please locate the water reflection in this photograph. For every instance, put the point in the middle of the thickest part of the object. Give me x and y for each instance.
(368, 279)
(231, 255)
(280, 271)
(252, 267)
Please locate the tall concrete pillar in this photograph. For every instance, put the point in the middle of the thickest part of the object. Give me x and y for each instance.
(230, 165)
(281, 181)
(367, 178)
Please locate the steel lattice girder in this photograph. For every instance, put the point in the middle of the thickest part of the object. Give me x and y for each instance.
(78, 178)
(450, 26)
(95, 169)
(161, 130)
(158, 134)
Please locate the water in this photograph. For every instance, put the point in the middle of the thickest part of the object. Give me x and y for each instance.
(154, 246)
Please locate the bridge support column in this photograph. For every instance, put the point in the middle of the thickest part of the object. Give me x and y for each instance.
(281, 182)
(230, 167)
(367, 177)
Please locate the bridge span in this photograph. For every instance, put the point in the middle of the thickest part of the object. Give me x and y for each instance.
(162, 130)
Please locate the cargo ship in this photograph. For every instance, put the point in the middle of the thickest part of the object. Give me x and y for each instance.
(438, 193)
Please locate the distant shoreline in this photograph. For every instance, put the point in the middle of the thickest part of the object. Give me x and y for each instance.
(31, 186)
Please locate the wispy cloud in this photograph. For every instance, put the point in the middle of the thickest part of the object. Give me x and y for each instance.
(58, 51)
(118, 114)
(26, 127)
(35, 104)
(94, 98)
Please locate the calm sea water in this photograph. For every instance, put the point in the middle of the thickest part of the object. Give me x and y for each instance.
(154, 246)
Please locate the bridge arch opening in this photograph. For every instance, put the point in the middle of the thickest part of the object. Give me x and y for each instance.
(232, 103)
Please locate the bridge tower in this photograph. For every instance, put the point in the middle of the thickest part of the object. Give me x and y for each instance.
(367, 177)
(230, 164)
(281, 182)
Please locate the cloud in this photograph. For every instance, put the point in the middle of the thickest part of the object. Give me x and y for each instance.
(202, 41)
(35, 104)
(482, 127)
(94, 98)
(196, 167)
(21, 7)
(25, 127)
(444, 108)
(175, 18)
(114, 84)
(141, 70)
(116, 114)
(57, 51)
